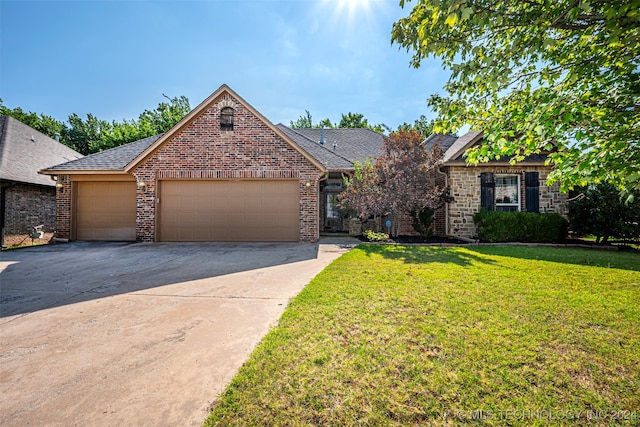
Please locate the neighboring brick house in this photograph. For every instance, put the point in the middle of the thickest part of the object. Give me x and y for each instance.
(496, 185)
(223, 173)
(27, 199)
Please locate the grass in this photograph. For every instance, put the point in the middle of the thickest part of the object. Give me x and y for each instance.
(396, 336)
(633, 244)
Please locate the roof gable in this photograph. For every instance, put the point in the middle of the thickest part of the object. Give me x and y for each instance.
(457, 149)
(454, 155)
(24, 152)
(204, 105)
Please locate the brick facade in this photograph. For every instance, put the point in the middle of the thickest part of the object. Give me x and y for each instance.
(465, 189)
(63, 207)
(27, 206)
(201, 150)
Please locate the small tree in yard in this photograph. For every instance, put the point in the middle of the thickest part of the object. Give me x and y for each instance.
(401, 181)
(602, 213)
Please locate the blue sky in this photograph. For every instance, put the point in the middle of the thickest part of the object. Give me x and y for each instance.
(116, 58)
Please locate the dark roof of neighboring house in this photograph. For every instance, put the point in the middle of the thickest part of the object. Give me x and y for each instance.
(24, 151)
(114, 159)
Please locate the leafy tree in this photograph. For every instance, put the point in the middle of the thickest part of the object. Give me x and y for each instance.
(306, 122)
(303, 121)
(558, 75)
(85, 136)
(422, 125)
(401, 181)
(353, 120)
(325, 123)
(363, 193)
(349, 120)
(92, 135)
(602, 213)
(164, 116)
(40, 122)
(357, 120)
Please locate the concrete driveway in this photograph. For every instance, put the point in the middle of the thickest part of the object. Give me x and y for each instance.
(138, 334)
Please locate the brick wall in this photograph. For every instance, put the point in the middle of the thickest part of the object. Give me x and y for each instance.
(200, 150)
(63, 207)
(465, 189)
(27, 206)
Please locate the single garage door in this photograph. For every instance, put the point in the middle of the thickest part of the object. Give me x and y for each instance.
(106, 211)
(229, 211)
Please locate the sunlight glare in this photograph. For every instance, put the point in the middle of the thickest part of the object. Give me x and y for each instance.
(352, 10)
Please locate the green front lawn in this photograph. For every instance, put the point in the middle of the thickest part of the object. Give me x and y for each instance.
(390, 335)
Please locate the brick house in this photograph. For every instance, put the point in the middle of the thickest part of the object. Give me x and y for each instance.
(27, 199)
(496, 185)
(223, 173)
(226, 173)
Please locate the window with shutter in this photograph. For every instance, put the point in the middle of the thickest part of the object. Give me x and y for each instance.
(507, 192)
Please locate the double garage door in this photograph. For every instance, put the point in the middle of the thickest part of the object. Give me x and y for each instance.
(194, 211)
(229, 211)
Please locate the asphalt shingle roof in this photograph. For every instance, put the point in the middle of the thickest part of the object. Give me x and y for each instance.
(320, 152)
(456, 151)
(443, 140)
(24, 151)
(114, 159)
(351, 145)
(354, 145)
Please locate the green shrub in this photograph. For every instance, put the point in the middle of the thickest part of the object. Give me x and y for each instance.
(374, 236)
(604, 213)
(422, 221)
(494, 226)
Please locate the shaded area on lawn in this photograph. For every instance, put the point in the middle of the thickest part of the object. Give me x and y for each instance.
(425, 254)
(626, 260)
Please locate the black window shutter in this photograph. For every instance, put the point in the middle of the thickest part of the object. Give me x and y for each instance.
(532, 191)
(487, 185)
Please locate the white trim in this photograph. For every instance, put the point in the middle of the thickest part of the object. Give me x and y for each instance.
(517, 203)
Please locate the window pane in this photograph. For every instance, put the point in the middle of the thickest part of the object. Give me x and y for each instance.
(507, 189)
(226, 119)
(332, 208)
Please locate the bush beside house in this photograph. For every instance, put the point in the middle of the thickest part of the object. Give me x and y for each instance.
(496, 226)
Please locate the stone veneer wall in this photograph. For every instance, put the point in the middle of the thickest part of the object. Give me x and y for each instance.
(200, 150)
(28, 206)
(465, 189)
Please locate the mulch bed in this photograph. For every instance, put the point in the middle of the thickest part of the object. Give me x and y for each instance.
(404, 240)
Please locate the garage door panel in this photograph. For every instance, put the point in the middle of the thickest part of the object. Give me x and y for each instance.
(229, 211)
(106, 211)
